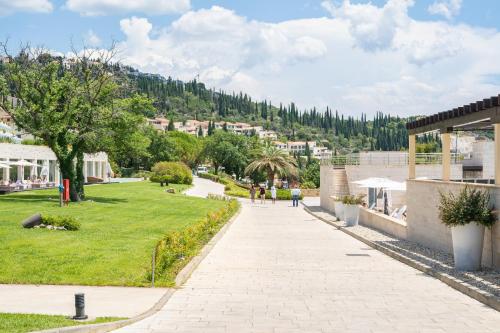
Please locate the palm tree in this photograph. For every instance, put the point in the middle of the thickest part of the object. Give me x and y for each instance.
(273, 161)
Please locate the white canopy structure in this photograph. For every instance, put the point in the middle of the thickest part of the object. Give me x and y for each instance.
(387, 184)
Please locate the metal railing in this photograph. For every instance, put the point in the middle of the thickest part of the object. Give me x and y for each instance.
(390, 158)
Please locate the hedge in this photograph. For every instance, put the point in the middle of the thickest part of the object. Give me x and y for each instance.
(234, 189)
(171, 172)
(175, 249)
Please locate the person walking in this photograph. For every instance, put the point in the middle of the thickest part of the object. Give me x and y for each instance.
(295, 192)
(252, 193)
(262, 192)
(273, 194)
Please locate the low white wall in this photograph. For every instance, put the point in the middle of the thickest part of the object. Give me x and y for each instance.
(425, 227)
(382, 222)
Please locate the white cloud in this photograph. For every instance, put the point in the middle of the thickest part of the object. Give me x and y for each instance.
(91, 39)
(363, 59)
(8, 7)
(111, 7)
(446, 8)
(372, 27)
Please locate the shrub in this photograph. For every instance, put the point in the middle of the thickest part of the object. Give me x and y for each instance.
(470, 205)
(171, 172)
(68, 222)
(308, 185)
(175, 248)
(282, 194)
(353, 199)
(141, 174)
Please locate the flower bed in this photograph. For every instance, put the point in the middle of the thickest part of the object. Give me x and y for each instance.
(175, 249)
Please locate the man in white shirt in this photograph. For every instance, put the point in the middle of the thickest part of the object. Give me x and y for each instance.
(295, 196)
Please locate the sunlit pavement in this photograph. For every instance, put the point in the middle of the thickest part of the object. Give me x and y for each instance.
(278, 269)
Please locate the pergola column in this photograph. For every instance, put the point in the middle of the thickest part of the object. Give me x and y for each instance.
(411, 156)
(57, 177)
(497, 153)
(85, 171)
(6, 172)
(446, 161)
(20, 172)
(34, 169)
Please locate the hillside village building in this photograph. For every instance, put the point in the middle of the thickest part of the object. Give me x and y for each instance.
(193, 127)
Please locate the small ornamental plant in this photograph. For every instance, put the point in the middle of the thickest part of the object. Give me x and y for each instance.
(353, 199)
(469, 205)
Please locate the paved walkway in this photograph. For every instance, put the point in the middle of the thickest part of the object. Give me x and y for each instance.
(60, 300)
(278, 269)
(202, 187)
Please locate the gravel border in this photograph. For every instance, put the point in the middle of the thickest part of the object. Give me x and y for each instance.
(483, 285)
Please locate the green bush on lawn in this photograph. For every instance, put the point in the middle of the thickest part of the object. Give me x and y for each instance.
(68, 222)
(171, 172)
(176, 248)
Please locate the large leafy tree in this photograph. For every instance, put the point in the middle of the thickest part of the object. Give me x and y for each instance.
(272, 161)
(62, 103)
(228, 150)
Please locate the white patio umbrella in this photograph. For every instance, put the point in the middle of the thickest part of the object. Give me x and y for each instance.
(385, 183)
(23, 163)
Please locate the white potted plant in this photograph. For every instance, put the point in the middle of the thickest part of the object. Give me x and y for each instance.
(467, 214)
(351, 209)
(338, 207)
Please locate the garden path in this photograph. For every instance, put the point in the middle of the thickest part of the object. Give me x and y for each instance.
(202, 187)
(278, 269)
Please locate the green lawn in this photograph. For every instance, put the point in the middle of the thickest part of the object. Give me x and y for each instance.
(20, 323)
(120, 225)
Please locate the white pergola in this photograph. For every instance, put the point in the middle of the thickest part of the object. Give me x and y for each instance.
(42, 163)
(482, 115)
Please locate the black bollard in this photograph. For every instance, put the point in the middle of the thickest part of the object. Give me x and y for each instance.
(80, 307)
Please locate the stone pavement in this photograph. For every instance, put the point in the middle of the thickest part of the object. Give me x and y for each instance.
(59, 300)
(278, 269)
(202, 187)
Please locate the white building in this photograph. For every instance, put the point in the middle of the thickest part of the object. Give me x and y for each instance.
(300, 146)
(38, 165)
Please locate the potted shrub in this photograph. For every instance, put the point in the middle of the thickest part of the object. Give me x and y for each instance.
(467, 214)
(351, 209)
(338, 207)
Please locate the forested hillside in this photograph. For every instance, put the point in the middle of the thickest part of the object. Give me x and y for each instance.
(340, 132)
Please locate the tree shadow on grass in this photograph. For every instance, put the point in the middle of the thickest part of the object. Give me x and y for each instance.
(28, 197)
(106, 200)
(53, 198)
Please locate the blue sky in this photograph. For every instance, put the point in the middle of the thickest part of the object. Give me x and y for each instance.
(55, 29)
(398, 56)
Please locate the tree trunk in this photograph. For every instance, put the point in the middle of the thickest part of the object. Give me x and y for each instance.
(80, 178)
(68, 172)
(216, 167)
(270, 178)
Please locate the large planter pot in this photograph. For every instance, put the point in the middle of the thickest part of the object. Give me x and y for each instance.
(467, 246)
(338, 206)
(351, 215)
